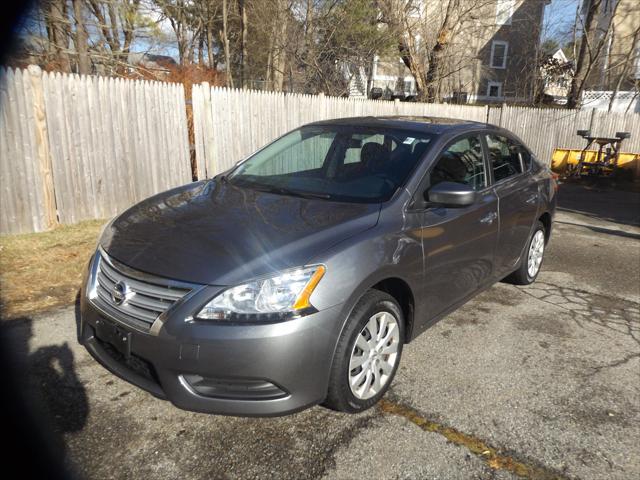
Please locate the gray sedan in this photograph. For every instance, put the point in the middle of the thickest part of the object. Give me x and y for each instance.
(296, 277)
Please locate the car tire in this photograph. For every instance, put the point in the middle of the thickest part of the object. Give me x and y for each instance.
(525, 275)
(360, 377)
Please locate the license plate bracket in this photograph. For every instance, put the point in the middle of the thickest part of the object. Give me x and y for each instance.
(116, 336)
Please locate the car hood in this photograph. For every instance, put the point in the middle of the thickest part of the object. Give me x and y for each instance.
(220, 234)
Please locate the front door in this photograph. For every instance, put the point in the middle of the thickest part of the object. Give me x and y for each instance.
(459, 243)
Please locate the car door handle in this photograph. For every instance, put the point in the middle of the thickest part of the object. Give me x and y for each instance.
(532, 199)
(489, 218)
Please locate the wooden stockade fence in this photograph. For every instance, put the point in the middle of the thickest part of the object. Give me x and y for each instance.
(231, 124)
(75, 148)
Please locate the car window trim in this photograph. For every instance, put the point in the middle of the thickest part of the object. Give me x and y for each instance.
(421, 185)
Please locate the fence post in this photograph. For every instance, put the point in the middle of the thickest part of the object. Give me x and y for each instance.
(42, 144)
(396, 106)
(210, 164)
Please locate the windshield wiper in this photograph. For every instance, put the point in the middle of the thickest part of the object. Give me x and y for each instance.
(324, 196)
(291, 192)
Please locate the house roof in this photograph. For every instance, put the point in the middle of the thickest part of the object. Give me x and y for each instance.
(560, 56)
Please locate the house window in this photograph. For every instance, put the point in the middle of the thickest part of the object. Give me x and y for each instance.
(504, 11)
(408, 86)
(499, 54)
(494, 89)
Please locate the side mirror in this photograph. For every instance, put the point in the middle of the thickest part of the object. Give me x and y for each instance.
(451, 194)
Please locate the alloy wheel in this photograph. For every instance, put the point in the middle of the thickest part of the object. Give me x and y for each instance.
(374, 355)
(536, 251)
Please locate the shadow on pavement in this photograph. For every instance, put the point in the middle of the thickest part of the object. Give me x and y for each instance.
(601, 199)
(608, 231)
(42, 399)
(51, 377)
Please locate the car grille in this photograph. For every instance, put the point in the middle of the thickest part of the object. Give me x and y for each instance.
(147, 296)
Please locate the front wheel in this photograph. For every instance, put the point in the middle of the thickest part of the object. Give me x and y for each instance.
(367, 354)
(529, 267)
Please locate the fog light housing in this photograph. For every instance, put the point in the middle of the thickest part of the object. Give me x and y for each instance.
(234, 388)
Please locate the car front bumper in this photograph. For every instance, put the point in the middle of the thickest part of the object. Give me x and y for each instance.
(257, 369)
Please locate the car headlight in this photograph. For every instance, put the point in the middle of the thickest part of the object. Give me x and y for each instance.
(279, 296)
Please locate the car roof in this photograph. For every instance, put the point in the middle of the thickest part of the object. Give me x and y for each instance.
(434, 125)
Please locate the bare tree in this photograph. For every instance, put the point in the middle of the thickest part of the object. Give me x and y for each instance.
(595, 27)
(427, 38)
(181, 19)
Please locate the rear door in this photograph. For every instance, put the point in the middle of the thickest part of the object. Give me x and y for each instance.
(518, 198)
(459, 243)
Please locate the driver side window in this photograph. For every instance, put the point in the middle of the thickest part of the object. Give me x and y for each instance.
(462, 162)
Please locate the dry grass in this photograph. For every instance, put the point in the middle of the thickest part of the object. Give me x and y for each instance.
(39, 271)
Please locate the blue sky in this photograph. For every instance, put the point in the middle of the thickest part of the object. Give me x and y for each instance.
(558, 19)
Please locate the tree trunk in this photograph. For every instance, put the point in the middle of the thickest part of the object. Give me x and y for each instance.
(129, 26)
(225, 41)
(115, 34)
(416, 67)
(201, 49)
(432, 76)
(210, 47)
(191, 47)
(96, 9)
(269, 71)
(309, 49)
(280, 55)
(432, 73)
(81, 40)
(244, 32)
(61, 33)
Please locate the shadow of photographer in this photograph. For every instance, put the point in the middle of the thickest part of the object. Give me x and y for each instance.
(48, 378)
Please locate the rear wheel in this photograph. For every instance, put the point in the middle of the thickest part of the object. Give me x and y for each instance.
(367, 355)
(530, 265)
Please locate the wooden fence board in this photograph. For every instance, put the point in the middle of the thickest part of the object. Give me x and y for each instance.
(239, 122)
(109, 143)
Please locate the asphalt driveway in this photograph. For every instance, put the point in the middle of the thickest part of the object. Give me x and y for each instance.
(537, 382)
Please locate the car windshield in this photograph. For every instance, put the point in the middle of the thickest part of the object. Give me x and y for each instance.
(351, 164)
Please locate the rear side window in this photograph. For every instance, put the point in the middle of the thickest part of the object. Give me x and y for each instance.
(462, 162)
(504, 157)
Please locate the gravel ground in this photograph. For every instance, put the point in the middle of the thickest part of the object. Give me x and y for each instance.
(537, 382)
